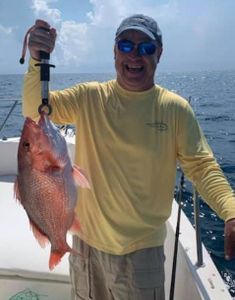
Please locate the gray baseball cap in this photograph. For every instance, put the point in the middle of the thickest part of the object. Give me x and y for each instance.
(142, 23)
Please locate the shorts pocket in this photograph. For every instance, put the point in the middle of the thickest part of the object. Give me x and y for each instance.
(148, 284)
(146, 279)
(79, 276)
(79, 269)
(148, 268)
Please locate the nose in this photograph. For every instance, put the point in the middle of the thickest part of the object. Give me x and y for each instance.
(134, 52)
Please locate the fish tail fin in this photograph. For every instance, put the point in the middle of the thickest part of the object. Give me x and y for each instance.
(56, 256)
(80, 177)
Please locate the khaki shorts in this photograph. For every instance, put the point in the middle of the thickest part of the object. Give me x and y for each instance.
(100, 276)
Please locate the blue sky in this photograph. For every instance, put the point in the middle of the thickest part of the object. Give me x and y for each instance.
(197, 34)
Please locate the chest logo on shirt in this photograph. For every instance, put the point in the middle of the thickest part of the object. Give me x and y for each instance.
(158, 125)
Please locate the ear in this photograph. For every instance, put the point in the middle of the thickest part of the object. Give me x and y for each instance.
(159, 53)
(115, 51)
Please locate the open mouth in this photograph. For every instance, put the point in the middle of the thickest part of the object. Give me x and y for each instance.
(134, 68)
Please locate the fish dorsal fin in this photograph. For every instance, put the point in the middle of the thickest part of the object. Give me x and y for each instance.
(80, 177)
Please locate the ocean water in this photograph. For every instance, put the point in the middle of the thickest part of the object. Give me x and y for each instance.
(213, 100)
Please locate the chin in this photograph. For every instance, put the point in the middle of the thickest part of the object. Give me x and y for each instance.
(135, 87)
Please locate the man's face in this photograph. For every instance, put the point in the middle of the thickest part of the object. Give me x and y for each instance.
(134, 72)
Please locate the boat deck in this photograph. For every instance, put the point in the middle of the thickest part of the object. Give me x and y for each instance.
(24, 264)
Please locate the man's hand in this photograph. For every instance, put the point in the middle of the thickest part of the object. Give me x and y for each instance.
(229, 239)
(42, 38)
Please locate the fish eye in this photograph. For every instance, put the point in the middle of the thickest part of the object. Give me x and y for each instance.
(26, 146)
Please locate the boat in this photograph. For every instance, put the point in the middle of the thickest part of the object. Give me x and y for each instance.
(24, 271)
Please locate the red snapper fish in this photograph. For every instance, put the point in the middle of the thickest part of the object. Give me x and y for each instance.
(46, 185)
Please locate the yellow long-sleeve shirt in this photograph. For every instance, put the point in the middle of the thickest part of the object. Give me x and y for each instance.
(129, 143)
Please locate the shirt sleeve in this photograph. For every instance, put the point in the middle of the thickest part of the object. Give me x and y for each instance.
(64, 103)
(200, 166)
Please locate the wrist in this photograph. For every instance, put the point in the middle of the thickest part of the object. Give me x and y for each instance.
(34, 58)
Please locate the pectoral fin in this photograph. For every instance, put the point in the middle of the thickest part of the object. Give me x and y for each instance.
(16, 190)
(80, 177)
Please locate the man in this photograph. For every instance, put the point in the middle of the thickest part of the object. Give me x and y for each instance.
(130, 135)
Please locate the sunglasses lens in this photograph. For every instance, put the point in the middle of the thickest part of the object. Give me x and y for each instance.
(125, 46)
(147, 49)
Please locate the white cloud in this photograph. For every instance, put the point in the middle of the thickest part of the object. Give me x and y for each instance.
(73, 42)
(92, 42)
(193, 32)
(6, 30)
(42, 10)
(188, 36)
(107, 13)
(84, 44)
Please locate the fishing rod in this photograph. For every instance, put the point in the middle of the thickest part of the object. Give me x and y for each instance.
(179, 199)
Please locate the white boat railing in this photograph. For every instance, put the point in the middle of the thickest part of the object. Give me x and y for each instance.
(197, 227)
(8, 115)
(179, 200)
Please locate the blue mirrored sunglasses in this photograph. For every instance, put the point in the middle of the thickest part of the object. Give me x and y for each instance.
(144, 48)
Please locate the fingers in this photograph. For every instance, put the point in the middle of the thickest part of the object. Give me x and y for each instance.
(42, 23)
(229, 239)
(42, 38)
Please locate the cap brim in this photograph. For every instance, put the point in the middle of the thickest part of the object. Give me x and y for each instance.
(144, 30)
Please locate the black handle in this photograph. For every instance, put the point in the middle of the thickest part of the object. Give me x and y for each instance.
(44, 55)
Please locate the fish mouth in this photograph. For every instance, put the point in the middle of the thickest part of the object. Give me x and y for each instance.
(30, 127)
(30, 122)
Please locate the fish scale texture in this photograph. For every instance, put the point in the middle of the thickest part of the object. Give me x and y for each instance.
(47, 202)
